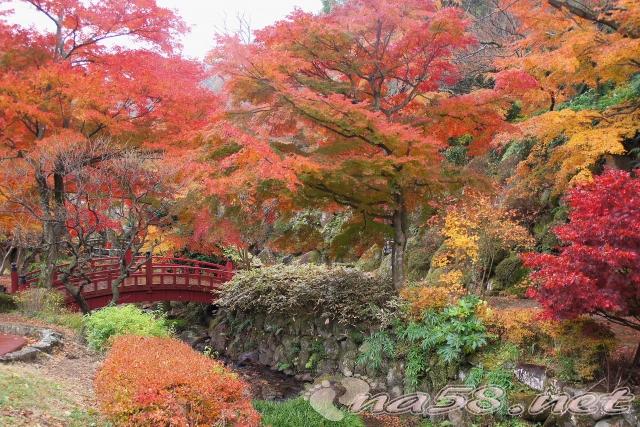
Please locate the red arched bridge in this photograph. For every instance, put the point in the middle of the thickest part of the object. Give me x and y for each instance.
(157, 279)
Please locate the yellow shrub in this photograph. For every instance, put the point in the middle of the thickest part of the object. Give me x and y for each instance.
(580, 346)
(520, 326)
(423, 297)
(577, 346)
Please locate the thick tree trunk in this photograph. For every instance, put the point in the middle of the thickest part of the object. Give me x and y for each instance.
(51, 248)
(54, 229)
(115, 290)
(399, 223)
(76, 293)
(53, 234)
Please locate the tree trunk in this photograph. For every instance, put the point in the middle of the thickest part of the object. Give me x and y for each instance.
(636, 358)
(6, 260)
(54, 228)
(115, 290)
(53, 233)
(76, 293)
(399, 223)
(51, 256)
(115, 285)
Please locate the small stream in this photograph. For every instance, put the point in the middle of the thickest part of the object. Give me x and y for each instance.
(265, 383)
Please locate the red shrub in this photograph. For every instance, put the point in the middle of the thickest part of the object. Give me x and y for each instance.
(149, 381)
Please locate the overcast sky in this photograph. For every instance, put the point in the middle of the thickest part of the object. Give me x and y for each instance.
(204, 16)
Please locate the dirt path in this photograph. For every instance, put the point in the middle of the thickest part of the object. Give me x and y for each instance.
(68, 374)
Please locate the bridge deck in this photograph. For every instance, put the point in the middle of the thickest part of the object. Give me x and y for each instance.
(157, 279)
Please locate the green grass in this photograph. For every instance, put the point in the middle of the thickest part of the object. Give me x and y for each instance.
(298, 412)
(47, 305)
(27, 398)
(68, 320)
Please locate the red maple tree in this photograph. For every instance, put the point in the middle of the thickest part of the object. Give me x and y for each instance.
(597, 267)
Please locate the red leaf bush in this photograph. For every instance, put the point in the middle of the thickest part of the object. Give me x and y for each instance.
(597, 268)
(150, 381)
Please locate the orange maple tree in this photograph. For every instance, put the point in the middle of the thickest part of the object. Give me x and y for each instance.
(351, 109)
(572, 48)
(101, 69)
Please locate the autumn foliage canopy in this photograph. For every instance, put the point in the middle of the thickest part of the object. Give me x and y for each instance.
(352, 109)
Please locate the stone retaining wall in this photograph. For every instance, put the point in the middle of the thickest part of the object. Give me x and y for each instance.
(305, 347)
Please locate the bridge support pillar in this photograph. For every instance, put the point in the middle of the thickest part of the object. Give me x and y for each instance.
(148, 269)
(13, 287)
(229, 269)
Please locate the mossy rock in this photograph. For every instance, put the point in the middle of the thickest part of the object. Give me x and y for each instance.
(311, 257)
(434, 274)
(509, 272)
(370, 259)
(439, 374)
(420, 252)
(525, 398)
(543, 232)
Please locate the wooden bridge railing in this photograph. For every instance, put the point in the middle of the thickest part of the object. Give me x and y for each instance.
(158, 279)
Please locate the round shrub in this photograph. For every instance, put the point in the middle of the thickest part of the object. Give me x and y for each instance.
(150, 381)
(109, 322)
(422, 297)
(345, 294)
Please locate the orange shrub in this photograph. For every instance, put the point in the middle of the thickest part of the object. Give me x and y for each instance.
(150, 381)
(425, 297)
(516, 325)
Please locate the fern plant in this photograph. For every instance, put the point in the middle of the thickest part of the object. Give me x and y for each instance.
(450, 334)
(375, 348)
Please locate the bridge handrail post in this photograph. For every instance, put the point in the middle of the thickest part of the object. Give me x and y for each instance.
(229, 269)
(187, 271)
(148, 268)
(13, 288)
